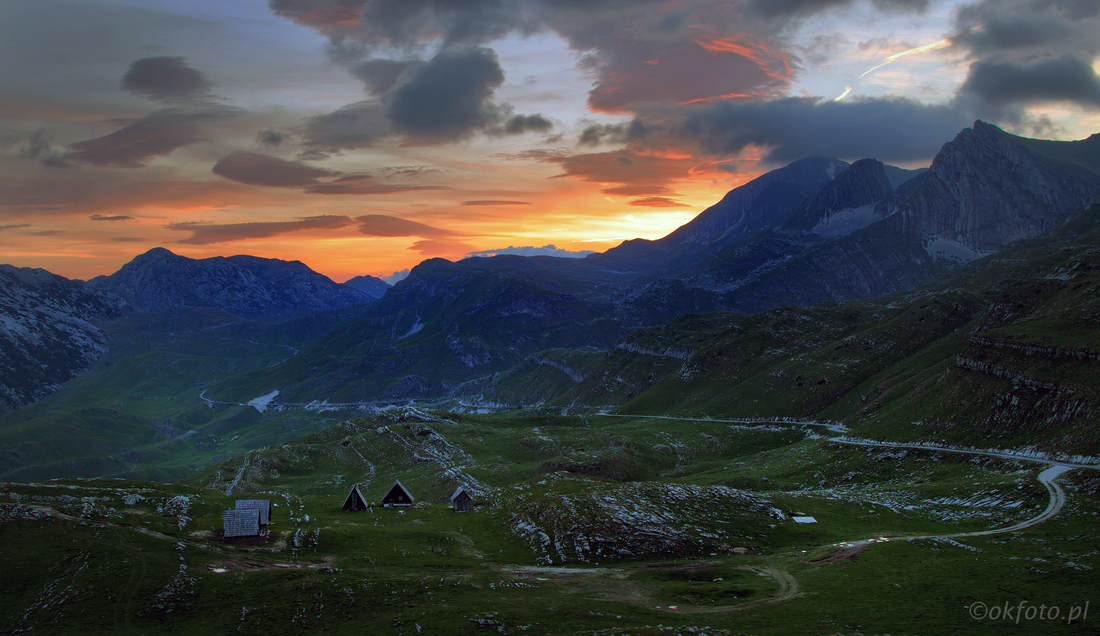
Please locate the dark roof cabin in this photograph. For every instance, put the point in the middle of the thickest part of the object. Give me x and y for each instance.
(241, 523)
(397, 496)
(263, 505)
(461, 501)
(355, 501)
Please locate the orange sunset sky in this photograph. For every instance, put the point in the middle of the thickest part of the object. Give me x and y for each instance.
(363, 136)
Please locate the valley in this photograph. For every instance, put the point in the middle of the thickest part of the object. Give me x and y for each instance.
(848, 398)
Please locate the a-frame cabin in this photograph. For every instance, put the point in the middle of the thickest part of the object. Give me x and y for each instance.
(355, 501)
(461, 501)
(397, 496)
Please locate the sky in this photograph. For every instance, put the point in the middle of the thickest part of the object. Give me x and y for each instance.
(364, 136)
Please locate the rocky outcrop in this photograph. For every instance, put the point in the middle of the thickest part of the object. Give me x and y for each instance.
(246, 286)
(1033, 349)
(47, 332)
(371, 286)
(987, 188)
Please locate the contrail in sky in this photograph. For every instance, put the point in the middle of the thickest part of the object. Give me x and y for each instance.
(933, 46)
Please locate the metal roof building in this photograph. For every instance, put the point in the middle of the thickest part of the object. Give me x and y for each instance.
(262, 505)
(241, 523)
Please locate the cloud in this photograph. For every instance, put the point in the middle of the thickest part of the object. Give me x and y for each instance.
(14, 226)
(448, 98)
(390, 226)
(39, 148)
(396, 276)
(206, 234)
(381, 75)
(432, 247)
(362, 184)
(128, 239)
(1013, 32)
(528, 250)
(256, 169)
(520, 124)
(357, 125)
(889, 129)
(270, 138)
(638, 190)
(120, 217)
(658, 202)
(445, 99)
(154, 135)
(165, 79)
(801, 8)
(702, 65)
(1065, 78)
(488, 202)
(624, 167)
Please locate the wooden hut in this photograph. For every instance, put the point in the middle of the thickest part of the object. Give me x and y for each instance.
(461, 501)
(263, 505)
(355, 501)
(397, 495)
(244, 522)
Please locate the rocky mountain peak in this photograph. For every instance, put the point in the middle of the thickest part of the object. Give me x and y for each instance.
(246, 286)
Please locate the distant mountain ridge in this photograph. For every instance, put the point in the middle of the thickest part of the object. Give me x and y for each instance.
(247, 286)
(816, 230)
(47, 332)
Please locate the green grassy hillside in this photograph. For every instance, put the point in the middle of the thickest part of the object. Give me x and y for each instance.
(581, 525)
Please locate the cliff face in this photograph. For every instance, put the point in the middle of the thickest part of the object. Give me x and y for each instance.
(47, 334)
(987, 188)
(246, 286)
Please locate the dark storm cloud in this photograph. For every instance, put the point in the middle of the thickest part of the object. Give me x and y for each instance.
(1065, 78)
(1013, 32)
(448, 98)
(119, 217)
(889, 129)
(256, 169)
(206, 234)
(164, 78)
(154, 135)
(1026, 27)
(390, 226)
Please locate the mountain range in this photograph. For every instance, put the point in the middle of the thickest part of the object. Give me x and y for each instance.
(734, 297)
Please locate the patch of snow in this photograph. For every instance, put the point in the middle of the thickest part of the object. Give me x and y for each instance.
(846, 220)
(260, 403)
(944, 249)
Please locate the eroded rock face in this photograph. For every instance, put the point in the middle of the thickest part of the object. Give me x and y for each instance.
(247, 286)
(988, 188)
(47, 334)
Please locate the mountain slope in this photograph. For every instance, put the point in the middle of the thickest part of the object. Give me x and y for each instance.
(253, 288)
(47, 332)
